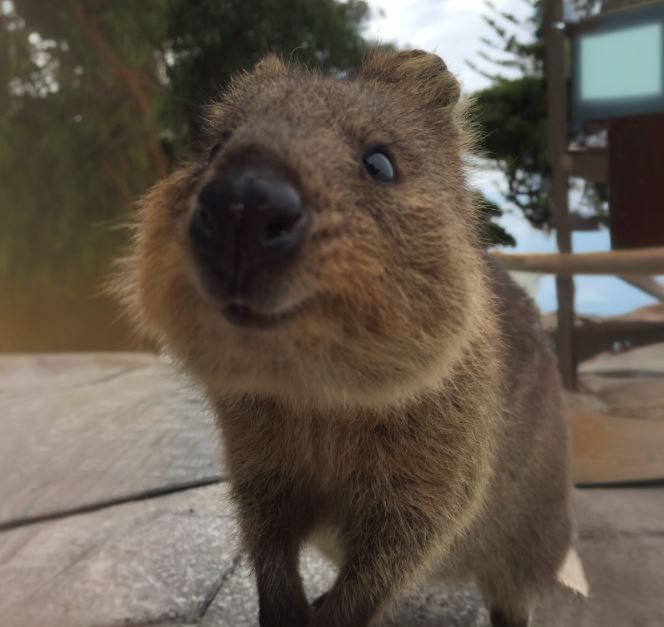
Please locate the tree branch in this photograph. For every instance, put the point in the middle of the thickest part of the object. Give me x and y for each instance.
(130, 77)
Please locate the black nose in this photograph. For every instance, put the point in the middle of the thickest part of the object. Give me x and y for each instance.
(248, 221)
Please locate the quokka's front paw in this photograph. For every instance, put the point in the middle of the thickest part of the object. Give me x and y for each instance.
(319, 601)
(330, 616)
(285, 617)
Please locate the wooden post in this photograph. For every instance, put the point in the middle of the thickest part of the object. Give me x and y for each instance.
(648, 284)
(558, 143)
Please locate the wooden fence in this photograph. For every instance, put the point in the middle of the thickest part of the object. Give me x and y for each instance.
(581, 341)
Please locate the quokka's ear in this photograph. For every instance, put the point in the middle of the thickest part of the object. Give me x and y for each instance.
(423, 74)
(270, 65)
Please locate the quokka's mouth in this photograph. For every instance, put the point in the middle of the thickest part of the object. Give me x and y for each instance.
(243, 315)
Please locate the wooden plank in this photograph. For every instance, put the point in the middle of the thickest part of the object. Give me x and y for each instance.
(616, 337)
(82, 433)
(80, 430)
(565, 337)
(558, 143)
(618, 422)
(157, 561)
(640, 397)
(648, 261)
(610, 448)
(645, 361)
(172, 561)
(32, 371)
(595, 337)
(647, 284)
(586, 24)
(590, 164)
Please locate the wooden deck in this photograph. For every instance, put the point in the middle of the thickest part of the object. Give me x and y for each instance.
(618, 418)
(113, 510)
(81, 431)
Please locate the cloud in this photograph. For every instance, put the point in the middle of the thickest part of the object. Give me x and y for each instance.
(451, 28)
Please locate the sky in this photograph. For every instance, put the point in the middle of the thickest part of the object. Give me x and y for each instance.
(452, 29)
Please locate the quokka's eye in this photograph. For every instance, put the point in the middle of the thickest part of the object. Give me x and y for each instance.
(379, 166)
(214, 151)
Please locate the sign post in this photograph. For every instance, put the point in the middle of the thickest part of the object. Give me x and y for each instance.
(557, 105)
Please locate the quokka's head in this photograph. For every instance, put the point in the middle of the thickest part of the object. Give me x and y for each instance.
(322, 249)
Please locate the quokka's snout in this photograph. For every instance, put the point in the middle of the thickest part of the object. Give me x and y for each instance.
(248, 218)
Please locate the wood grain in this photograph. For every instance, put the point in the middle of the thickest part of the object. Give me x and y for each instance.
(79, 430)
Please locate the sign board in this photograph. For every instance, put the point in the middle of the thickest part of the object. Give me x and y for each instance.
(618, 64)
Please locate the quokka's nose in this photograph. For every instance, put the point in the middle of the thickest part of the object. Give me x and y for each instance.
(248, 221)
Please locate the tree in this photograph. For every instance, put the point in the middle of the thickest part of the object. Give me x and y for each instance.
(212, 40)
(491, 232)
(79, 132)
(512, 112)
(96, 94)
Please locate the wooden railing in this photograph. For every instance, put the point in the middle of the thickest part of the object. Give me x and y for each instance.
(643, 261)
(636, 267)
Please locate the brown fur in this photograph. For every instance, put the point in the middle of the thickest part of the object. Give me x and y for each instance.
(405, 413)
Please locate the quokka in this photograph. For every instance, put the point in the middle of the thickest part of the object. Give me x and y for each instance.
(382, 387)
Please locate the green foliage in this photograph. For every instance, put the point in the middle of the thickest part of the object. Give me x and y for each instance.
(492, 234)
(73, 143)
(513, 118)
(213, 40)
(511, 114)
(96, 94)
